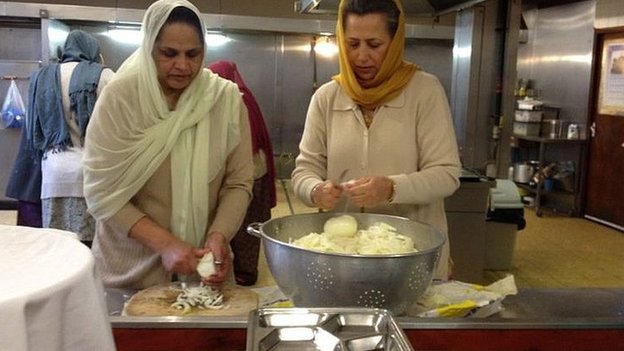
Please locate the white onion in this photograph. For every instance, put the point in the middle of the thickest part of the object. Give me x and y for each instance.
(206, 266)
(344, 225)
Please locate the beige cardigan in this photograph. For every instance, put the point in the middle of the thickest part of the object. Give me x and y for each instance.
(411, 140)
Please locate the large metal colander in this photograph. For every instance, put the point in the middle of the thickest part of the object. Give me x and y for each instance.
(318, 279)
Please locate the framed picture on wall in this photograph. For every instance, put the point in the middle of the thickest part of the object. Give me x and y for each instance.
(611, 89)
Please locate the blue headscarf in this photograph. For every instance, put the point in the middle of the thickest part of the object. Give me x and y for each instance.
(47, 128)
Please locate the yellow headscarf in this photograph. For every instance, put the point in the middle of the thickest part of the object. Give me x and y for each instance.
(394, 74)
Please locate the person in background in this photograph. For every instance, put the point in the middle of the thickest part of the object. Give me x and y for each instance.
(168, 167)
(378, 137)
(246, 247)
(61, 100)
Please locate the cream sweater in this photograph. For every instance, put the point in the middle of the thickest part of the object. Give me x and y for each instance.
(411, 140)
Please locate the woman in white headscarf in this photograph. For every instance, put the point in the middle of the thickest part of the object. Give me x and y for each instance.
(168, 167)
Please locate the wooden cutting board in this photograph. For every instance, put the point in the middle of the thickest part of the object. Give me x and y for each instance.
(157, 300)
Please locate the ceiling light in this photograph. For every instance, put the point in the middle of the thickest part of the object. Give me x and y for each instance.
(57, 35)
(125, 34)
(325, 47)
(216, 39)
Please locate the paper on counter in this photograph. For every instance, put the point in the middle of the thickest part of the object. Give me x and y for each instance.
(272, 296)
(459, 299)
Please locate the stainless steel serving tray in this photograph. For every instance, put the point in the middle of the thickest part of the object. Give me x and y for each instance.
(324, 329)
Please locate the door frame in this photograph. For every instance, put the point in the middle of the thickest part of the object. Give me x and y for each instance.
(592, 110)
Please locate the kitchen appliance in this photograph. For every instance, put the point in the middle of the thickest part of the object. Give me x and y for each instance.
(319, 279)
(331, 329)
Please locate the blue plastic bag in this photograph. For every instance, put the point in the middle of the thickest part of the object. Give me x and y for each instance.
(13, 110)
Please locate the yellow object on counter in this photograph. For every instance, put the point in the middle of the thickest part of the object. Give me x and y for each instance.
(459, 299)
(285, 303)
(459, 309)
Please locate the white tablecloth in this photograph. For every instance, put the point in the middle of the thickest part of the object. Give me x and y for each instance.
(50, 295)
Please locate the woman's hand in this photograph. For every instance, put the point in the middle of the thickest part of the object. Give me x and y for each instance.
(326, 194)
(176, 255)
(220, 248)
(180, 257)
(370, 191)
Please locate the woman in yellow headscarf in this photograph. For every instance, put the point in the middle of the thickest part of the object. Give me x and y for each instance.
(381, 131)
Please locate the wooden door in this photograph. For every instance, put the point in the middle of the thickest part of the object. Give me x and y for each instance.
(605, 167)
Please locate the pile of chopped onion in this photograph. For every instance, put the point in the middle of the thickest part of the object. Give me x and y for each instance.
(379, 239)
(202, 296)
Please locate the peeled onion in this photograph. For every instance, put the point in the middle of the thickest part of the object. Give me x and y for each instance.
(343, 225)
(206, 266)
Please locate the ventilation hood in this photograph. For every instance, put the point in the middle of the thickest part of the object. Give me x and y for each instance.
(427, 8)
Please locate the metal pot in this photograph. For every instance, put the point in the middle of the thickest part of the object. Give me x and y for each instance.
(319, 279)
(522, 173)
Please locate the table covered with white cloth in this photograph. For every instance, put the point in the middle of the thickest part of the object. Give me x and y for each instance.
(51, 297)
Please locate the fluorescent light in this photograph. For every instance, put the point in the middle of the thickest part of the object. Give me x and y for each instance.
(216, 39)
(126, 35)
(133, 35)
(57, 35)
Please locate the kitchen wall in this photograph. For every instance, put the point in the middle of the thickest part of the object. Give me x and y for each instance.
(558, 54)
(557, 57)
(609, 14)
(557, 60)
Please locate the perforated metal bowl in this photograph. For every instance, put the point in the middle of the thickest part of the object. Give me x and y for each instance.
(318, 279)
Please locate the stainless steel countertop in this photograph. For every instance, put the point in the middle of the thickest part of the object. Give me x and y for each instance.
(580, 308)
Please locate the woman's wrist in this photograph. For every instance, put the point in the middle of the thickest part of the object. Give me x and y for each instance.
(216, 237)
(313, 191)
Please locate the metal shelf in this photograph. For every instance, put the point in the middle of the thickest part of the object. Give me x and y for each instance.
(538, 189)
(543, 140)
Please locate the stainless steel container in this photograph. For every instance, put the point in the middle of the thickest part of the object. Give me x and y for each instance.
(523, 173)
(320, 279)
(554, 128)
(333, 329)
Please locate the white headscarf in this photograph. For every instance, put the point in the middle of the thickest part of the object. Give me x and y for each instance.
(133, 131)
